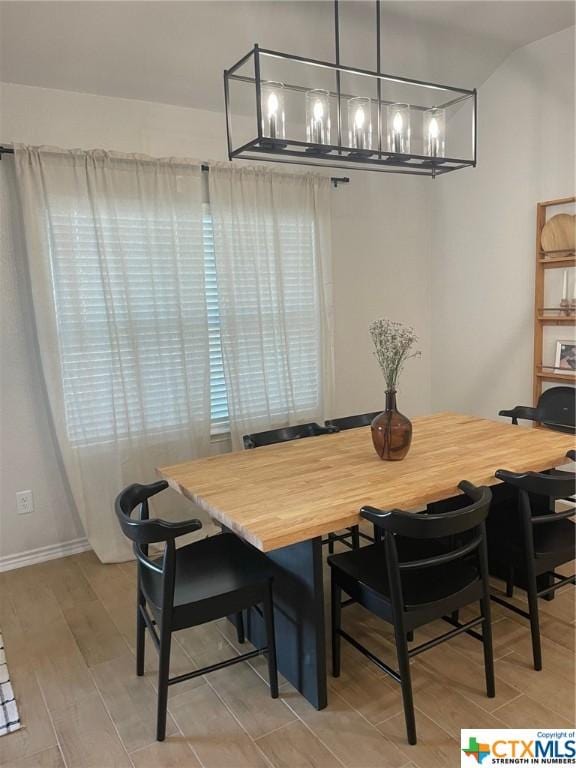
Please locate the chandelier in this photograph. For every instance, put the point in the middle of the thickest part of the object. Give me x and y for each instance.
(286, 108)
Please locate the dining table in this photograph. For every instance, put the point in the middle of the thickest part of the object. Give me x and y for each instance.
(284, 498)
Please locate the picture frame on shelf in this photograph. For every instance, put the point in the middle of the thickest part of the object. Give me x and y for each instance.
(565, 355)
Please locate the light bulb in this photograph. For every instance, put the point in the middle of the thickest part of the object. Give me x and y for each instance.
(272, 104)
(434, 132)
(318, 117)
(398, 122)
(359, 118)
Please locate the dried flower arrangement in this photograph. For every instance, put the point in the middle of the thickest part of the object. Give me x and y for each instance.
(393, 342)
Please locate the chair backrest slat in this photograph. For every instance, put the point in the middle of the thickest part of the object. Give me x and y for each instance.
(544, 519)
(285, 434)
(145, 561)
(553, 486)
(448, 557)
(353, 422)
(434, 526)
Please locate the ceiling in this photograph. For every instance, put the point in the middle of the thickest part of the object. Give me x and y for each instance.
(175, 52)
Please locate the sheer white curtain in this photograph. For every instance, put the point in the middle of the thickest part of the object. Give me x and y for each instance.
(272, 245)
(116, 264)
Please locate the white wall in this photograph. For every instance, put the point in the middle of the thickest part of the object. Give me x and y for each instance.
(382, 268)
(484, 231)
(381, 251)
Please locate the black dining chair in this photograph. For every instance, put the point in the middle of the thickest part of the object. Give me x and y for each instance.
(530, 543)
(427, 567)
(286, 434)
(203, 581)
(341, 424)
(555, 410)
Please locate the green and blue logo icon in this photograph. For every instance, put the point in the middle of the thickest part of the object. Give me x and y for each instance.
(479, 751)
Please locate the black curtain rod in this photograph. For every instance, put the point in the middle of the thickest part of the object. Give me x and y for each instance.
(4, 150)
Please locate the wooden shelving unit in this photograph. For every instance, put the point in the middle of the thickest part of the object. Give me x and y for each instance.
(544, 316)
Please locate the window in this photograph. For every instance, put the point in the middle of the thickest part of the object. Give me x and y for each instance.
(145, 319)
(127, 325)
(272, 316)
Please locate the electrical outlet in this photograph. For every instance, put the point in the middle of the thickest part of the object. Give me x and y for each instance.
(24, 502)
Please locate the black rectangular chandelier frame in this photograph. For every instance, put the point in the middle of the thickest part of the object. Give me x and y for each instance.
(262, 148)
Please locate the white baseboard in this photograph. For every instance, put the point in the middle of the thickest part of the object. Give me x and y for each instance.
(42, 554)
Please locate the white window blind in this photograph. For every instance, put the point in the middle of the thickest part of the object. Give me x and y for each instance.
(127, 325)
(273, 318)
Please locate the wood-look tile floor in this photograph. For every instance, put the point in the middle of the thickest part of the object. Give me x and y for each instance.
(68, 627)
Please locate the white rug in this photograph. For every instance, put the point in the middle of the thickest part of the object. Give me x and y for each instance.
(9, 717)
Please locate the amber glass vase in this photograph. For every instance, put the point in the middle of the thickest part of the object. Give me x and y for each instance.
(391, 431)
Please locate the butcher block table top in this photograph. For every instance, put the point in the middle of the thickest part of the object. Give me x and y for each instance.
(290, 492)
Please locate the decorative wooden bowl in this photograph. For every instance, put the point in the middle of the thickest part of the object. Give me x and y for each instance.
(559, 234)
